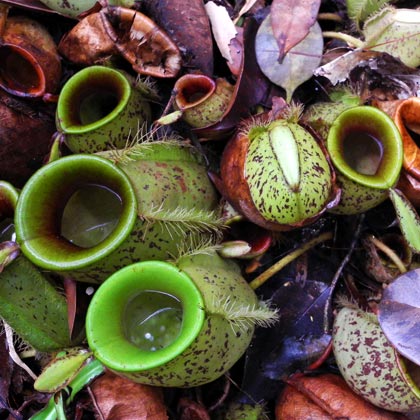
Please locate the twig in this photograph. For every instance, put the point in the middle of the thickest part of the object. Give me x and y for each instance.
(330, 16)
(341, 268)
(165, 111)
(350, 40)
(220, 400)
(275, 268)
(12, 352)
(95, 404)
(13, 413)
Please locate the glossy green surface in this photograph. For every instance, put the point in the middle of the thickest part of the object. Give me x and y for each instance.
(208, 344)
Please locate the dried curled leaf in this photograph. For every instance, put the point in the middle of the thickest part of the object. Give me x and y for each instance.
(87, 43)
(224, 30)
(180, 19)
(121, 399)
(298, 64)
(142, 42)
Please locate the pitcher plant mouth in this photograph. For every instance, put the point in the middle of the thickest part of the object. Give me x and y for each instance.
(20, 72)
(192, 90)
(365, 146)
(107, 317)
(59, 224)
(91, 98)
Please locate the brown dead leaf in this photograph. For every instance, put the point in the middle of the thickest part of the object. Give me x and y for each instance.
(78, 299)
(87, 43)
(191, 410)
(236, 52)
(326, 397)
(118, 398)
(6, 369)
(187, 24)
(291, 21)
(148, 48)
(70, 290)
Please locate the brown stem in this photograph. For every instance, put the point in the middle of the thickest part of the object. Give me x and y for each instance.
(275, 268)
(330, 16)
(95, 404)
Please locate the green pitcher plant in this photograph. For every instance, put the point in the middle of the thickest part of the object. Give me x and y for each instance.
(371, 366)
(202, 100)
(99, 108)
(367, 152)
(182, 323)
(89, 215)
(277, 174)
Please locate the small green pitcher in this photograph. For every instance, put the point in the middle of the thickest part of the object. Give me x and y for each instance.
(100, 108)
(366, 150)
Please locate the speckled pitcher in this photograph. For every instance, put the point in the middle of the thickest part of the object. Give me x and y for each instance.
(86, 216)
(367, 152)
(100, 108)
(179, 324)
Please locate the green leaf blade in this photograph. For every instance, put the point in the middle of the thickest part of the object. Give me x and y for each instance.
(408, 219)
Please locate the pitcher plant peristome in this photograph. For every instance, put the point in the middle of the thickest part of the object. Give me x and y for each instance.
(29, 62)
(100, 108)
(205, 330)
(92, 216)
(407, 119)
(366, 150)
(202, 100)
(406, 115)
